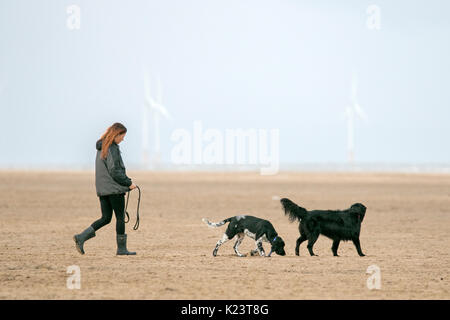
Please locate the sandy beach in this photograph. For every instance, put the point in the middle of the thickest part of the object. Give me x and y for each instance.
(406, 233)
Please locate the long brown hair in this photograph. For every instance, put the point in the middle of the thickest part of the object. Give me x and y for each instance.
(108, 137)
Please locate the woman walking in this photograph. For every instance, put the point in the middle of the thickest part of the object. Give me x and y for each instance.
(111, 183)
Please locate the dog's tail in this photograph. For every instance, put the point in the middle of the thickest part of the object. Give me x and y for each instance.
(215, 225)
(294, 211)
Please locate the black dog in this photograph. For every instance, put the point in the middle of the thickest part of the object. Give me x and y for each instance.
(258, 229)
(335, 224)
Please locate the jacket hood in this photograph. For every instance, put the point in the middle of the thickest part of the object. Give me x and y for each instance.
(98, 145)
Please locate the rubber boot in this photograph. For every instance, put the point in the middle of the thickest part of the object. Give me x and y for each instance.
(82, 237)
(122, 246)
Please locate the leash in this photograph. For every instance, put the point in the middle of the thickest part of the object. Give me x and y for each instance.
(136, 225)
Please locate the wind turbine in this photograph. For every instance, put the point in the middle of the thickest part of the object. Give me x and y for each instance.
(353, 109)
(156, 109)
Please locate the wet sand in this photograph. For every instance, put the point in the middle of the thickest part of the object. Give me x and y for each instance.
(406, 233)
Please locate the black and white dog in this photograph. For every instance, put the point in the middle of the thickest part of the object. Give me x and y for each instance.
(258, 229)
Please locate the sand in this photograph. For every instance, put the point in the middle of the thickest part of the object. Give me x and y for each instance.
(406, 233)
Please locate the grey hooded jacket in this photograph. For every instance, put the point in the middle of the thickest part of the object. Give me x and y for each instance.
(110, 174)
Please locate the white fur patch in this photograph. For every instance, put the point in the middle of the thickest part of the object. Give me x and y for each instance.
(252, 235)
(249, 234)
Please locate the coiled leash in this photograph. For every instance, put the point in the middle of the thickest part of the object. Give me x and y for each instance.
(136, 226)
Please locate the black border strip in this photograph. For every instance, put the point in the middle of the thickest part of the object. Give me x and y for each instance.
(229, 309)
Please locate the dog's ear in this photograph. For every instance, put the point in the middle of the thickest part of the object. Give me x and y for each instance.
(282, 243)
(359, 210)
(278, 242)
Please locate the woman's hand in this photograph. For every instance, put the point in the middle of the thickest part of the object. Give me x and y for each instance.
(133, 186)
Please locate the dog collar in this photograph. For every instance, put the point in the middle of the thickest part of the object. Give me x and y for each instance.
(274, 238)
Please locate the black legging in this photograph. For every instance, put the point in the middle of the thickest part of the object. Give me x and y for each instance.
(109, 203)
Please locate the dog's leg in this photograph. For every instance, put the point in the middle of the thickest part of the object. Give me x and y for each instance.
(299, 242)
(335, 247)
(312, 239)
(260, 248)
(358, 247)
(220, 242)
(238, 243)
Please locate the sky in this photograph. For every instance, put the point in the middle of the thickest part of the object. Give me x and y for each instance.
(235, 64)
